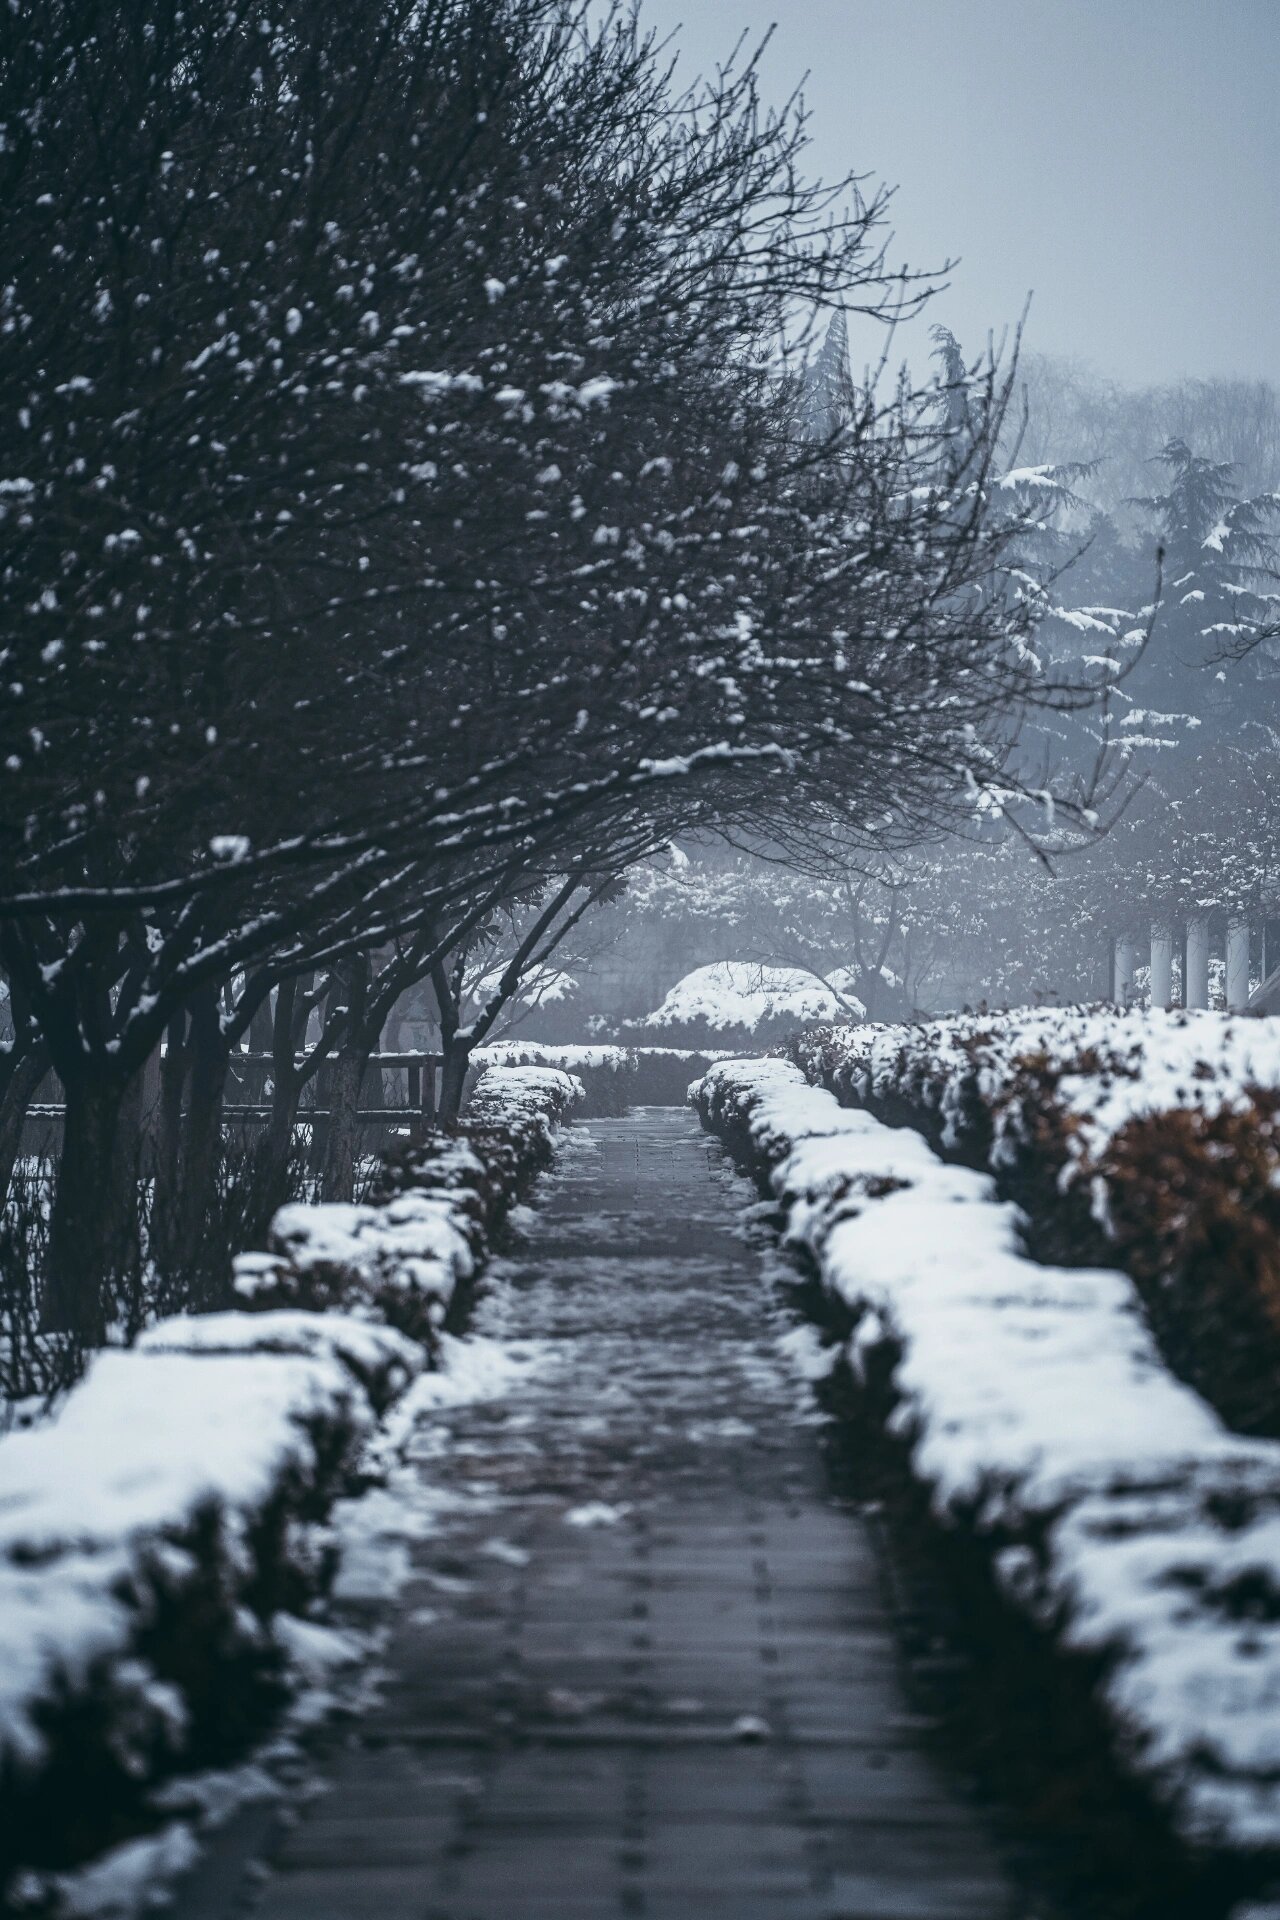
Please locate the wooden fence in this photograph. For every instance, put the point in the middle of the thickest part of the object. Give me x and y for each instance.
(248, 1103)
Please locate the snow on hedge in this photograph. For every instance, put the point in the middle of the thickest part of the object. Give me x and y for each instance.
(158, 1534)
(569, 1059)
(402, 1257)
(535, 1098)
(739, 993)
(1107, 1065)
(402, 1261)
(100, 1513)
(1120, 1515)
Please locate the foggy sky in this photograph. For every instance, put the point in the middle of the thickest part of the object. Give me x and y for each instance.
(1118, 158)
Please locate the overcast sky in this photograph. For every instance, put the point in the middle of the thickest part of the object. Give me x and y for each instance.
(1118, 159)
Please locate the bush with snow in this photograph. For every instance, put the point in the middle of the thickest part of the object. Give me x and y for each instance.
(523, 1100)
(161, 1536)
(434, 1206)
(150, 1537)
(614, 1078)
(1118, 1517)
(1150, 1137)
(741, 997)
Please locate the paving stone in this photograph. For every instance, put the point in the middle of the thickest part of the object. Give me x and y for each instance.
(692, 1713)
(350, 1893)
(868, 1897)
(366, 1840)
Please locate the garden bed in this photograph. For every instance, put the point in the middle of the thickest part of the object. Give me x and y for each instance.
(1124, 1537)
(162, 1536)
(1147, 1138)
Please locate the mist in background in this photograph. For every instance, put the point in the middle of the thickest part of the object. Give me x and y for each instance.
(1117, 159)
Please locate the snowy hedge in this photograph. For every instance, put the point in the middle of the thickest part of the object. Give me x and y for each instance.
(1115, 1515)
(435, 1204)
(149, 1537)
(614, 1078)
(161, 1535)
(607, 1073)
(1147, 1137)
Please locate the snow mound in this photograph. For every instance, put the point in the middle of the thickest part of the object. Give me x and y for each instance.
(738, 993)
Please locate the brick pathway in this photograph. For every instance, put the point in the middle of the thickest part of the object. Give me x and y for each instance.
(688, 1712)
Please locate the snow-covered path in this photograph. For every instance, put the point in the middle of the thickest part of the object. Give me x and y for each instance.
(645, 1667)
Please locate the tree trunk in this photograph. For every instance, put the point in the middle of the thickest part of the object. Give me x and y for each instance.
(168, 1156)
(1161, 964)
(1237, 965)
(453, 1079)
(261, 1040)
(275, 1145)
(1124, 970)
(318, 1151)
(88, 1228)
(346, 1077)
(201, 1131)
(151, 1100)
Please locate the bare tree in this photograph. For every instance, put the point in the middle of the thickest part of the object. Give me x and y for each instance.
(411, 495)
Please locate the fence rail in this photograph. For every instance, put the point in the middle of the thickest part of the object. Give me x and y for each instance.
(421, 1085)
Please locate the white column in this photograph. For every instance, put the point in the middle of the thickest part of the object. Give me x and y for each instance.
(1161, 964)
(1124, 971)
(1197, 981)
(1237, 965)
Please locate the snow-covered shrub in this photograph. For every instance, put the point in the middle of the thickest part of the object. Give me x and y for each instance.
(607, 1073)
(399, 1262)
(150, 1538)
(150, 1279)
(1145, 1136)
(614, 1078)
(433, 1208)
(523, 1101)
(1135, 1539)
(742, 1000)
(160, 1536)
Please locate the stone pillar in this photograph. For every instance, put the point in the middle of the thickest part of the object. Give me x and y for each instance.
(1161, 964)
(1196, 986)
(1237, 965)
(1124, 971)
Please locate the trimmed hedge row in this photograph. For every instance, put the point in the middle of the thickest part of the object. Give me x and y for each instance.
(614, 1078)
(1151, 1139)
(159, 1535)
(435, 1205)
(1113, 1553)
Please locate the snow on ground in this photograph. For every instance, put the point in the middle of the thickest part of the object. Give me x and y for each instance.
(1120, 1514)
(739, 993)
